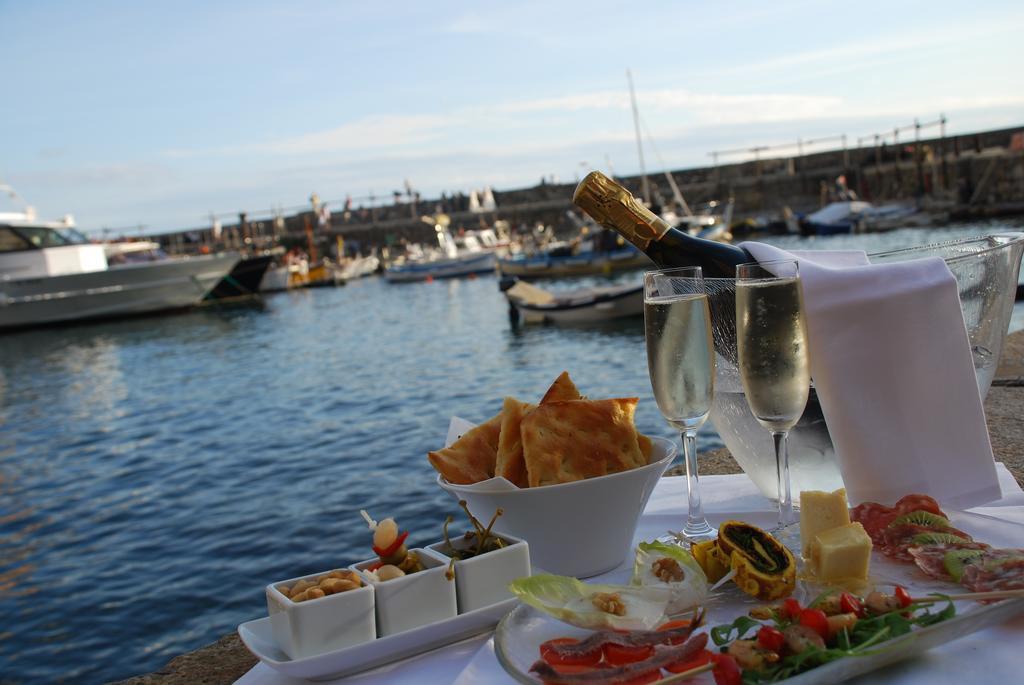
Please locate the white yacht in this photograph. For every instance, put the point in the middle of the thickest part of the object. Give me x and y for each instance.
(465, 255)
(49, 274)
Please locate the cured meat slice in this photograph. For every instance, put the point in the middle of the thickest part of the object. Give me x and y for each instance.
(895, 541)
(932, 558)
(909, 503)
(997, 569)
(874, 517)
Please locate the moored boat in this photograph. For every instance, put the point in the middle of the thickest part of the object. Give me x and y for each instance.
(46, 277)
(445, 267)
(578, 306)
(584, 263)
(243, 281)
(469, 254)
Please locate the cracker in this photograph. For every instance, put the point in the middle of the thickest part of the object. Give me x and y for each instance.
(472, 457)
(561, 390)
(570, 440)
(510, 462)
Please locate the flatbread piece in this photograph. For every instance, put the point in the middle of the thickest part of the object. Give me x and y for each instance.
(510, 462)
(575, 439)
(471, 458)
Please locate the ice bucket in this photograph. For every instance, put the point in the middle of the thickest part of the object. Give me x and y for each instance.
(986, 270)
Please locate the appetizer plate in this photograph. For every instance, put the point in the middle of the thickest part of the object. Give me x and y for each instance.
(258, 637)
(519, 635)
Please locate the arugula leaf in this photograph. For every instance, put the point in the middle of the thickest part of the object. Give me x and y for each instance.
(865, 639)
(723, 634)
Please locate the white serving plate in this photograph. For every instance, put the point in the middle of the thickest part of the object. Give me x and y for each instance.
(258, 638)
(520, 633)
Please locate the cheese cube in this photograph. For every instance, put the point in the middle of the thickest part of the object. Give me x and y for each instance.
(820, 511)
(842, 553)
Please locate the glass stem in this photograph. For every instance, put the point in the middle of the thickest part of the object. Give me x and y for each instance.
(695, 518)
(781, 439)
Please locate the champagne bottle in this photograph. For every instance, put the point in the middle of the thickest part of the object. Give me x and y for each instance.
(614, 207)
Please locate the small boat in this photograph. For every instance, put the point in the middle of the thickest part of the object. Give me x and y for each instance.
(469, 254)
(358, 267)
(590, 262)
(578, 306)
(275, 279)
(857, 216)
(48, 277)
(834, 218)
(243, 282)
(444, 267)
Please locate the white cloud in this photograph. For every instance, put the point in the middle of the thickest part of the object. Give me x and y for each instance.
(388, 131)
(469, 23)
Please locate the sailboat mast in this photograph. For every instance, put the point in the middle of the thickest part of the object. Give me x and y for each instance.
(639, 144)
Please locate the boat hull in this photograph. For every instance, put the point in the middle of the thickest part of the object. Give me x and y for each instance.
(602, 304)
(588, 263)
(441, 268)
(243, 281)
(119, 291)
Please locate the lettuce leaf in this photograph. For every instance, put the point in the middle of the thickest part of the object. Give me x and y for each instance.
(686, 594)
(570, 600)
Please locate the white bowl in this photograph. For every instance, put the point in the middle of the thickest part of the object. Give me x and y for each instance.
(482, 581)
(581, 529)
(316, 626)
(413, 600)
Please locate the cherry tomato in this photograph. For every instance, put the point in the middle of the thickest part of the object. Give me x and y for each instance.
(903, 596)
(816, 620)
(555, 659)
(617, 655)
(849, 604)
(682, 666)
(771, 638)
(674, 625)
(726, 671)
(791, 609)
(571, 669)
(392, 548)
(644, 678)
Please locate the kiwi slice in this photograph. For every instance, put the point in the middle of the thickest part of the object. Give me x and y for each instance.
(957, 559)
(921, 518)
(936, 539)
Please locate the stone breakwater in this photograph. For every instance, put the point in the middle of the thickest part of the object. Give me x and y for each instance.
(955, 178)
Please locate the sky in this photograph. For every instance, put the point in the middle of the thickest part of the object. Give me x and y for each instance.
(157, 114)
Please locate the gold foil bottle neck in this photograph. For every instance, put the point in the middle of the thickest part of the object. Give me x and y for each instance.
(614, 207)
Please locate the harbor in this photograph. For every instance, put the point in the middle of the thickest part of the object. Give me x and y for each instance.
(234, 443)
(575, 344)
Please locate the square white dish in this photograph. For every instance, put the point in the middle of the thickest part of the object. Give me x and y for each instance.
(483, 580)
(415, 599)
(259, 639)
(316, 626)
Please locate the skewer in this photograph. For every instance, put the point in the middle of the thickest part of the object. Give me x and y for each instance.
(977, 596)
(676, 677)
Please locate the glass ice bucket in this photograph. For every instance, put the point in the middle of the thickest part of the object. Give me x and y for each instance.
(986, 270)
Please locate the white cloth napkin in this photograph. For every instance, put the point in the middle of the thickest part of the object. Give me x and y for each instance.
(892, 366)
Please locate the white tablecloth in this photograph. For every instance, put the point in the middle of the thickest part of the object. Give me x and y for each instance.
(988, 656)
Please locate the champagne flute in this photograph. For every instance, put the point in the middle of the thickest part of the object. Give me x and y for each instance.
(681, 363)
(771, 333)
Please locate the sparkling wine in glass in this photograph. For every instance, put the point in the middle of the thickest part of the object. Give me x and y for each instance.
(772, 344)
(681, 363)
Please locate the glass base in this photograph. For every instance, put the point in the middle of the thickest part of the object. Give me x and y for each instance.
(693, 531)
(789, 536)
